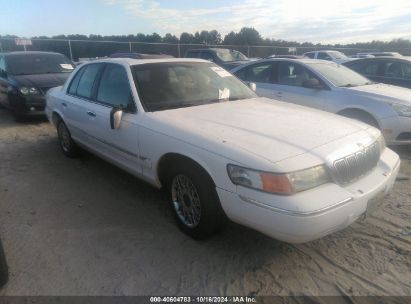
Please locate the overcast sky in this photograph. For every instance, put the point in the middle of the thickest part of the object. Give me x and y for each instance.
(342, 21)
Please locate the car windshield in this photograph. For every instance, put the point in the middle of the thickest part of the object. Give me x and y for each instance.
(28, 64)
(339, 75)
(230, 55)
(338, 55)
(171, 85)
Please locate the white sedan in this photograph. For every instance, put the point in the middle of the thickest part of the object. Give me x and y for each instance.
(334, 88)
(190, 127)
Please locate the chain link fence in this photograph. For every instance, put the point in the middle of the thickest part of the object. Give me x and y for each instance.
(77, 49)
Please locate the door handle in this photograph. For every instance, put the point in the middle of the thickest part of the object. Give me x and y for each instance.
(64, 104)
(92, 114)
(279, 94)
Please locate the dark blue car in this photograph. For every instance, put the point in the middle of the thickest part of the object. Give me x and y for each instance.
(389, 70)
(25, 77)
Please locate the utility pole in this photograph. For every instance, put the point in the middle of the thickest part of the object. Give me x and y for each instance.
(71, 52)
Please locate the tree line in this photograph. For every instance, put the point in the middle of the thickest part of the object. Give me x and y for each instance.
(240, 40)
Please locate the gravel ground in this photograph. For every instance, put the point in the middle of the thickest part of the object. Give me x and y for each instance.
(83, 227)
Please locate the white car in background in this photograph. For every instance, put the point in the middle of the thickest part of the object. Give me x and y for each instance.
(334, 88)
(334, 56)
(190, 127)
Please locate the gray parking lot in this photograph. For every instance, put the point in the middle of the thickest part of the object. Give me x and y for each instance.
(83, 227)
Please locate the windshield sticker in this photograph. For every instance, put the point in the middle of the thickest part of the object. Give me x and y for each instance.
(66, 66)
(221, 72)
(224, 94)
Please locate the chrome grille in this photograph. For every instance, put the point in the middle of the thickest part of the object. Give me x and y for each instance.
(355, 165)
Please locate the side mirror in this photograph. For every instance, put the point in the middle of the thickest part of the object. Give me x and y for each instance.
(312, 83)
(252, 86)
(116, 114)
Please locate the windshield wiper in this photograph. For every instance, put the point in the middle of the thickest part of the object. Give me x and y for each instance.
(175, 106)
(349, 85)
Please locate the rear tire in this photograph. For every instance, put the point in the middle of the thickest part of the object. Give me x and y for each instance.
(4, 272)
(68, 146)
(194, 200)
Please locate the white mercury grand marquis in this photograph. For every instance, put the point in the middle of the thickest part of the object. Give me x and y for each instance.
(190, 127)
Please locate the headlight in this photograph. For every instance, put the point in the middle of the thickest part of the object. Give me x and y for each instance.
(26, 90)
(381, 142)
(279, 183)
(402, 110)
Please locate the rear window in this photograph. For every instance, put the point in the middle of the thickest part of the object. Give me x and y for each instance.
(29, 64)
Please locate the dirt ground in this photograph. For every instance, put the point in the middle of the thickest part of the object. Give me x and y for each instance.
(84, 227)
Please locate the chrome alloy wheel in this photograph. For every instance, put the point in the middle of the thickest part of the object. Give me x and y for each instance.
(186, 200)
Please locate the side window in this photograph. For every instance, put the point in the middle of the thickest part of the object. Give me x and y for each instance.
(369, 68)
(256, 73)
(114, 88)
(207, 56)
(407, 71)
(2, 65)
(310, 55)
(293, 74)
(324, 56)
(85, 85)
(74, 83)
(392, 69)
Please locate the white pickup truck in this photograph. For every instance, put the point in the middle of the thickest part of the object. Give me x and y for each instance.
(193, 129)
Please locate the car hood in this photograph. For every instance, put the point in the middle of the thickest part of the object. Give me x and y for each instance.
(42, 80)
(384, 92)
(264, 127)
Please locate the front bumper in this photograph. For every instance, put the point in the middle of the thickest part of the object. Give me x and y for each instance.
(28, 105)
(314, 213)
(396, 130)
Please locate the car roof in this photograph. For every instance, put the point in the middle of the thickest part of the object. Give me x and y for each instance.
(301, 60)
(322, 51)
(210, 49)
(379, 59)
(22, 53)
(131, 61)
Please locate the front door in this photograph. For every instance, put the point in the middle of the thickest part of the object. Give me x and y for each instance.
(122, 144)
(290, 85)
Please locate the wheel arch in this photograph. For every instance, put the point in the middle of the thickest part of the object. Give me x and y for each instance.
(346, 111)
(56, 117)
(169, 158)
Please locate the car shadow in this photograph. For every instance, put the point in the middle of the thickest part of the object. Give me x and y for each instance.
(7, 119)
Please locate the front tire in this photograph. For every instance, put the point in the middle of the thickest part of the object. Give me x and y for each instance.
(68, 146)
(194, 201)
